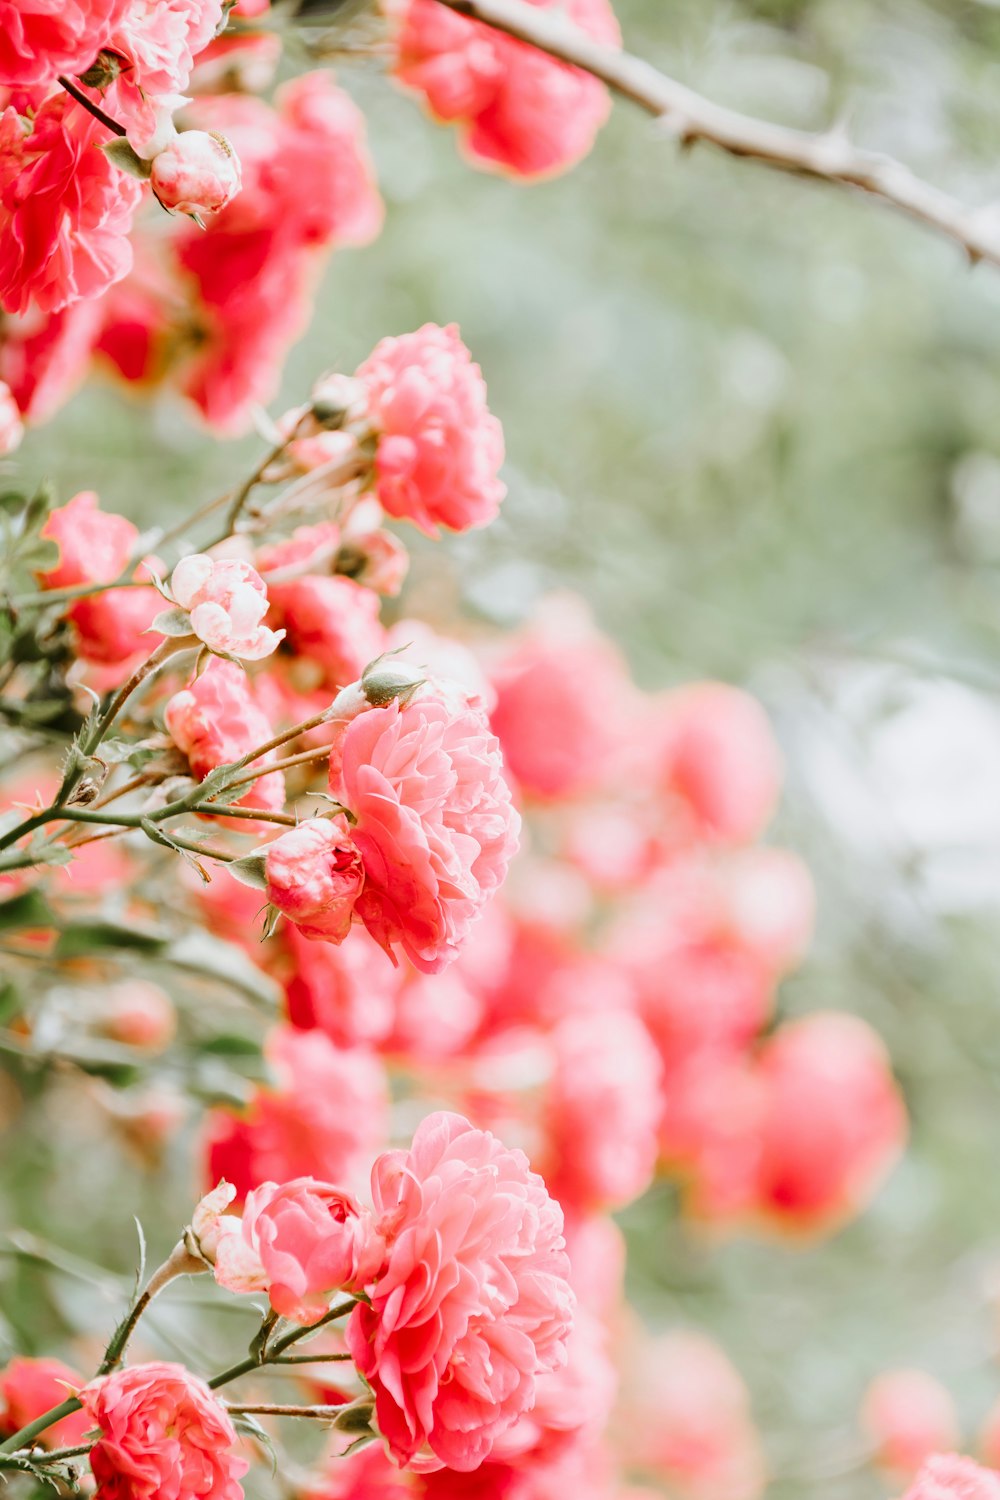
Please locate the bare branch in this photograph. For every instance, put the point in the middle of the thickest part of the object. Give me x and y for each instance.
(691, 118)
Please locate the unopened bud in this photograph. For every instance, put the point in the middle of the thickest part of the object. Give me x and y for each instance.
(335, 400)
(197, 173)
(103, 71)
(385, 679)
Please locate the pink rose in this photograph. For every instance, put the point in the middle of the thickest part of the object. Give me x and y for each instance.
(29, 1387)
(473, 1304)
(94, 545)
(711, 751)
(65, 210)
(227, 601)
(909, 1416)
(314, 875)
(603, 1110)
(517, 109)
(325, 1115)
(309, 1239)
(434, 822)
(333, 621)
(833, 1124)
(138, 1013)
(44, 357)
(11, 426)
(164, 1436)
(197, 173)
(215, 720)
(688, 1419)
(39, 40)
(156, 47)
(946, 1476)
(308, 186)
(439, 446)
(564, 703)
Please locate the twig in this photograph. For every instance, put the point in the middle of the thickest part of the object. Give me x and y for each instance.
(827, 157)
(91, 107)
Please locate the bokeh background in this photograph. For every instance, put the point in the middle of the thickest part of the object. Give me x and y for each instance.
(756, 423)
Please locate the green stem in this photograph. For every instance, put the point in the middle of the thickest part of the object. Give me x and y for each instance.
(26, 1435)
(245, 1366)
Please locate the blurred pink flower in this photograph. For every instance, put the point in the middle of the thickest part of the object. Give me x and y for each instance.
(603, 1110)
(434, 821)
(439, 446)
(908, 1415)
(314, 876)
(30, 1387)
(688, 1420)
(473, 1304)
(517, 109)
(833, 1125)
(331, 620)
(325, 1116)
(164, 1436)
(946, 1476)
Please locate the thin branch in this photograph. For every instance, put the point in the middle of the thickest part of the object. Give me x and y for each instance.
(270, 1409)
(690, 118)
(91, 107)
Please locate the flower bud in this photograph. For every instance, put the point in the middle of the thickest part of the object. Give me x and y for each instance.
(337, 399)
(385, 679)
(210, 1223)
(197, 173)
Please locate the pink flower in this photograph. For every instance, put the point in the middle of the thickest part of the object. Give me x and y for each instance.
(215, 720)
(332, 621)
(94, 545)
(347, 991)
(946, 1476)
(564, 703)
(227, 601)
(11, 426)
(164, 1436)
(156, 47)
(909, 1416)
(688, 1419)
(113, 627)
(712, 753)
(439, 446)
(325, 1116)
(44, 357)
(314, 875)
(834, 1122)
(603, 1110)
(473, 1304)
(308, 186)
(197, 173)
(29, 1387)
(139, 1014)
(65, 211)
(434, 822)
(517, 109)
(309, 1240)
(39, 39)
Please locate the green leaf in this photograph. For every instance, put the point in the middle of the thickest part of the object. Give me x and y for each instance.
(250, 870)
(230, 1044)
(125, 158)
(172, 622)
(30, 909)
(79, 938)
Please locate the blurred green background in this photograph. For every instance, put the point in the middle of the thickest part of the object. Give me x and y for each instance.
(756, 422)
